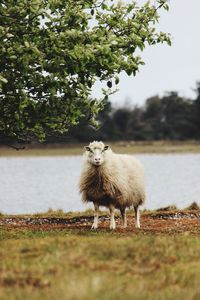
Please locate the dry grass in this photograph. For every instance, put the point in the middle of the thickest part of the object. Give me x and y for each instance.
(160, 261)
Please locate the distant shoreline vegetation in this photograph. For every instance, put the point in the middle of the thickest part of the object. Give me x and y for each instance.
(131, 147)
(169, 118)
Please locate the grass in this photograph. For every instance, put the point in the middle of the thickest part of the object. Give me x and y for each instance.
(76, 263)
(119, 147)
(69, 265)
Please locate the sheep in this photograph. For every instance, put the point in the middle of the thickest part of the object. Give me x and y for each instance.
(112, 180)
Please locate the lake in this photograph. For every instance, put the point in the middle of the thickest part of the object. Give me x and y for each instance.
(35, 184)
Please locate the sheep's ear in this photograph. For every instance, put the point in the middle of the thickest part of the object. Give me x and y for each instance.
(106, 147)
(87, 148)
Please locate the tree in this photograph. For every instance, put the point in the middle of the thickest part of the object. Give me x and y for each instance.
(196, 114)
(136, 124)
(177, 122)
(53, 51)
(170, 117)
(121, 119)
(153, 118)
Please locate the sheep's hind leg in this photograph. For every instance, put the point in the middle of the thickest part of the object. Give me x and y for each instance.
(96, 216)
(124, 219)
(112, 217)
(137, 217)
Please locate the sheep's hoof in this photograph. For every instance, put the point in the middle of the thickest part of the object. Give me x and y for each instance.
(137, 226)
(112, 227)
(94, 227)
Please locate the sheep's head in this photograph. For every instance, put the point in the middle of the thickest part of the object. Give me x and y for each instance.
(95, 153)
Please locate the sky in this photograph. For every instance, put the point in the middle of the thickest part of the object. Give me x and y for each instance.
(175, 68)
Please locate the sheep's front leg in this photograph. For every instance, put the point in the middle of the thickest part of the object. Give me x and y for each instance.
(96, 216)
(112, 217)
(124, 220)
(137, 217)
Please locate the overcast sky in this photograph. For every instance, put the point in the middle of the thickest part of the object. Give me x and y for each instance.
(175, 68)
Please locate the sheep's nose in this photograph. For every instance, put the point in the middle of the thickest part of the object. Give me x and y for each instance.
(97, 159)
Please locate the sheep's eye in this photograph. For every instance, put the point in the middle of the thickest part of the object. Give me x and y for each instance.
(87, 149)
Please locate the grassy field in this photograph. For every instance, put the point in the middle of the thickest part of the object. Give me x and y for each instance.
(119, 147)
(44, 259)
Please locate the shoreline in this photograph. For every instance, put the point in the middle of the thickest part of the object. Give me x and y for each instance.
(132, 147)
(193, 206)
(172, 221)
(153, 223)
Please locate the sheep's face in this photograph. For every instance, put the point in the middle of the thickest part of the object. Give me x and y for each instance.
(96, 153)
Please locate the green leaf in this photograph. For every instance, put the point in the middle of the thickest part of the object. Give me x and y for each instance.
(27, 44)
(3, 79)
(104, 6)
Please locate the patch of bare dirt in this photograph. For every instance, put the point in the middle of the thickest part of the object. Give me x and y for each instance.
(157, 222)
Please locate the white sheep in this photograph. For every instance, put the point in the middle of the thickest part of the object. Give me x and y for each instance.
(111, 180)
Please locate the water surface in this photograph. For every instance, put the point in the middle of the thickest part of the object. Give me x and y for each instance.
(35, 184)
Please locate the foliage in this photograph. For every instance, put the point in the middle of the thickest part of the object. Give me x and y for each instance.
(52, 52)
